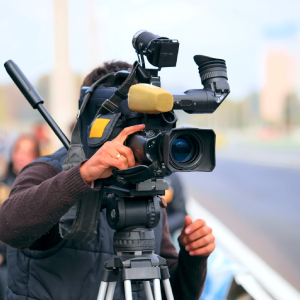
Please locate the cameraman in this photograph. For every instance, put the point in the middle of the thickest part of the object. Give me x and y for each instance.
(43, 266)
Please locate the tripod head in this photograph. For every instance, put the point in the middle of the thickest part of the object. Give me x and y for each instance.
(132, 213)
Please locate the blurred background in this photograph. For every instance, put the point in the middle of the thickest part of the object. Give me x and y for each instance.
(254, 190)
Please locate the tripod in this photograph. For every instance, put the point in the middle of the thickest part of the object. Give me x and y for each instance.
(133, 271)
(135, 267)
(132, 213)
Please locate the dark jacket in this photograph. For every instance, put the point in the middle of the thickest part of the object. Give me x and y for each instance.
(5, 185)
(42, 266)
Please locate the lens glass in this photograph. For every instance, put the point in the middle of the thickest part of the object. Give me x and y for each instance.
(182, 149)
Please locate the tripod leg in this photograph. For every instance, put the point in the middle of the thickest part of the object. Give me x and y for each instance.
(128, 292)
(168, 289)
(102, 290)
(111, 290)
(148, 291)
(157, 292)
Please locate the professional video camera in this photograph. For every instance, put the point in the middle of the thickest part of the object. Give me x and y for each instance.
(161, 146)
(132, 197)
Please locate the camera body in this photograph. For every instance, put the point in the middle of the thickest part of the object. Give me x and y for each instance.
(161, 145)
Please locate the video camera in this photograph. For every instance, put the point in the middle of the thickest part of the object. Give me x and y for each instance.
(162, 147)
(124, 99)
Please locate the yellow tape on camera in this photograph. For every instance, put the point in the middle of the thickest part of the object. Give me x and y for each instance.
(98, 128)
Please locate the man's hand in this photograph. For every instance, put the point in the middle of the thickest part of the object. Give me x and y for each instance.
(112, 154)
(197, 237)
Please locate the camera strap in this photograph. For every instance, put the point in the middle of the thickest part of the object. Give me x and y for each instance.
(112, 104)
(80, 222)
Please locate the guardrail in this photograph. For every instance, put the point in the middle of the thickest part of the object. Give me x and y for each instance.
(256, 277)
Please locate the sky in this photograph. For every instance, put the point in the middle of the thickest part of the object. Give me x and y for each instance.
(241, 32)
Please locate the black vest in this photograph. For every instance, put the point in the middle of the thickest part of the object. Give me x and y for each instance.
(70, 270)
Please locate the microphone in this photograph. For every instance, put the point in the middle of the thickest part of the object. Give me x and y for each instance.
(149, 99)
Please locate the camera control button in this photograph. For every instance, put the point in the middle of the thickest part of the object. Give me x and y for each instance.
(186, 102)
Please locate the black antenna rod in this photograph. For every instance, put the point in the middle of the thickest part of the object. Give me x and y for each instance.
(34, 99)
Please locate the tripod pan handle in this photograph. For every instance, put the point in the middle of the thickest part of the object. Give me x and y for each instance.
(23, 84)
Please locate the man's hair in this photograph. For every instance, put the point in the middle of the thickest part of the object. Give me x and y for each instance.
(108, 67)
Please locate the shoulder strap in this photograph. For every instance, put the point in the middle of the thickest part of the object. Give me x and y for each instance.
(112, 104)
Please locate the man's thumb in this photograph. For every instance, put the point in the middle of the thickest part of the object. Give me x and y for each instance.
(187, 221)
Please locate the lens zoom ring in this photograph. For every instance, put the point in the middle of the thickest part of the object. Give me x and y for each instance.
(213, 74)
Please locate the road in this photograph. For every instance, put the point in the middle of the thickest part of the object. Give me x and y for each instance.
(258, 203)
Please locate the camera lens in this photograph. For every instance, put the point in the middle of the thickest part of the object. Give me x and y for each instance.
(182, 149)
(186, 149)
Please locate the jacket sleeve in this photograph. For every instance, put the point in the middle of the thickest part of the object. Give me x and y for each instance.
(40, 196)
(187, 272)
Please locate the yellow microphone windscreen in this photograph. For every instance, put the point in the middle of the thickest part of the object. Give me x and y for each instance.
(150, 99)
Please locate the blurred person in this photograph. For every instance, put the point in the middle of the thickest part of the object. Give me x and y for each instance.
(2, 165)
(176, 212)
(25, 150)
(4, 189)
(65, 269)
(41, 133)
(175, 198)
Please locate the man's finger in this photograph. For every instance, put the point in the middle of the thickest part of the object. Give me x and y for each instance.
(204, 251)
(196, 225)
(127, 152)
(113, 152)
(187, 221)
(201, 232)
(121, 138)
(202, 242)
(117, 163)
